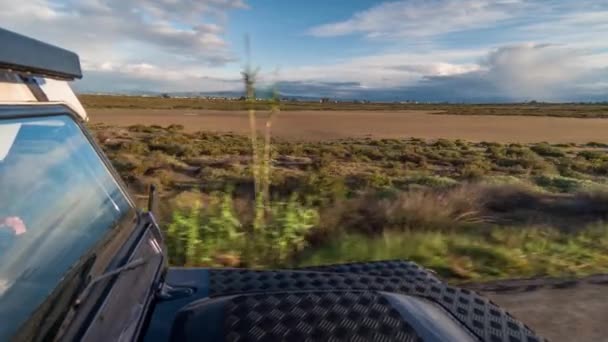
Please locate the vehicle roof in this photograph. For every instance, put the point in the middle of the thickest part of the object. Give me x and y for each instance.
(33, 73)
(21, 53)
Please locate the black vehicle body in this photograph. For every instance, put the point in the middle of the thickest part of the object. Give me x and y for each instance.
(122, 289)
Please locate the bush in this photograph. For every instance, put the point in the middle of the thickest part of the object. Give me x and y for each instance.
(596, 144)
(490, 144)
(600, 168)
(173, 146)
(213, 234)
(445, 144)
(135, 147)
(433, 181)
(520, 152)
(496, 151)
(141, 128)
(476, 169)
(417, 210)
(124, 164)
(592, 155)
(175, 127)
(412, 156)
(559, 183)
(379, 180)
(286, 232)
(199, 236)
(372, 153)
(547, 150)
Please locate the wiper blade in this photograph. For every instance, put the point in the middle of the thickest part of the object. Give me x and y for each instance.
(127, 267)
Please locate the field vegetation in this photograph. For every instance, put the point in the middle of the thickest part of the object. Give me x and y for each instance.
(469, 210)
(576, 110)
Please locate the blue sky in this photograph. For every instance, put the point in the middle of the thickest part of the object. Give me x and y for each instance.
(430, 50)
(280, 37)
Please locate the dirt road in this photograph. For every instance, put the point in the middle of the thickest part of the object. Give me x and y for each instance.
(560, 310)
(320, 125)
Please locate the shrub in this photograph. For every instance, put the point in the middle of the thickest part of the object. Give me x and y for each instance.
(412, 156)
(600, 168)
(135, 147)
(463, 145)
(285, 233)
(596, 144)
(181, 147)
(496, 151)
(212, 234)
(547, 150)
(175, 127)
(125, 164)
(525, 160)
(141, 128)
(592, 155)
(450, 154)
(559, 183)
(445, 144)
(519, 151)
(475, 169)
(378, 180)
(197, 236)
(433, 181)
(434, 210)
(372, 153)
(490, 144)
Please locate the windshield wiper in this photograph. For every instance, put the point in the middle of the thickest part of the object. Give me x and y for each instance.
(124, 268)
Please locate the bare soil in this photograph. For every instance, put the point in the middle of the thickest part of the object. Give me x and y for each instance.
(558, 309)
(322, 125)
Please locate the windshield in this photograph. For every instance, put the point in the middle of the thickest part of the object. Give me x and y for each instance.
(57, 200)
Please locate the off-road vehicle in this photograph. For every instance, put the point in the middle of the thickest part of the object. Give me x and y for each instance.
(79, 261)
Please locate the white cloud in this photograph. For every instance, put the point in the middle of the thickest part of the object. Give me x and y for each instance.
(418, 18)
(581, 23)
(518, 72)
(583, 27)
(136, 38)
(524, 72)
(135, 77)
(502, 62)
(385, 70)
(531, 70)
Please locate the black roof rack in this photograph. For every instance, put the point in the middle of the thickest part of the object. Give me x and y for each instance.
(22, 53)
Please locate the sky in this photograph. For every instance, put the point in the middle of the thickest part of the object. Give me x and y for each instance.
(424, 50)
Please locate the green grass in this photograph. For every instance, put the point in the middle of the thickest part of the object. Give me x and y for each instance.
(213, 233)
(498, 252)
